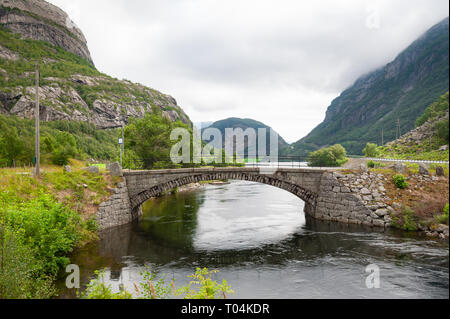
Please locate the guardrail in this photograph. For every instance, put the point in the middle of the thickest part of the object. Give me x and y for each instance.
(280, 162)
(405, 161)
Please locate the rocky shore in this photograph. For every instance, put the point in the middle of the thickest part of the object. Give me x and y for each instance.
(375, 188)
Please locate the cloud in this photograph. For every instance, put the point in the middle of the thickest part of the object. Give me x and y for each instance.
(279, 62)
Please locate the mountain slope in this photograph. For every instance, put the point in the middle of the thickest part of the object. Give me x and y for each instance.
(71, 88)
(429, 140)
(244, 124)
(40, 20)
(399, 91)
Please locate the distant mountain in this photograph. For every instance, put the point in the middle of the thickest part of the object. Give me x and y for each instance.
(202, 125)
(245, 124)
(399, 91)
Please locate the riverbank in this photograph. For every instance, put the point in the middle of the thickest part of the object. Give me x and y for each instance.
(419, 205)
(43, 221)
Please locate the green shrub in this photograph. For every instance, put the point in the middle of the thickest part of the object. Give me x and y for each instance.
(333, 156)
(443, 219)
(50, 229)
(371, 164)
(201, 286)
(19, 272)
(400, 181)
(405, 220)
(442, 129)
(371, 150)
(97, 289)
(409, 222)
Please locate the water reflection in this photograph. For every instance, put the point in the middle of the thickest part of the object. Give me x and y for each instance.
(259, 239)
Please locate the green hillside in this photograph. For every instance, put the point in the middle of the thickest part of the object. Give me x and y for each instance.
(428, 141)
(400, 91)
(81, 140)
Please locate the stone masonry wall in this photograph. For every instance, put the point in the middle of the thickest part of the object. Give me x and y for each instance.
(337, 202)
(117, 210)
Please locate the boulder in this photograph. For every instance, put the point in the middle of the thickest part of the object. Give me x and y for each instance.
(382, 212)
(399, 168)
(115, 169)
(67, 169)
(423, 169)
(363, 168)
(93, 170)
(440, 171)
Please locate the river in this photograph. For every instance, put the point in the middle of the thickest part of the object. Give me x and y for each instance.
(258, 238)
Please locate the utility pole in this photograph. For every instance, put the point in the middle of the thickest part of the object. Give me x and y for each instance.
(382, 136)
(37, 135)
(122, 147)
(398, 133)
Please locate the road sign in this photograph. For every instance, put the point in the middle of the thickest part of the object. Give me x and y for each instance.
(120, 141)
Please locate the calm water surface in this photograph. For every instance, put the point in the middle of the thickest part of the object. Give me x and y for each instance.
(258, 238)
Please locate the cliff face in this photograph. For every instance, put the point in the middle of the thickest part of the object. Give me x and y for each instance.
(40, 20)
(71, 88)
(399, 91)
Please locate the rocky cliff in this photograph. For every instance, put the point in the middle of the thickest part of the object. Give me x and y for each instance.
(399, 91)
(40, 20)
(71, 88)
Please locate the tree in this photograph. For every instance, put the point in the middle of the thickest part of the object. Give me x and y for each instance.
(149, 139)
(61, 148)
(328, 157)
(371, 150)
(11, 146)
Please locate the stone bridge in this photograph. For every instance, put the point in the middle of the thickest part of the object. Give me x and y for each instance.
(324, 196)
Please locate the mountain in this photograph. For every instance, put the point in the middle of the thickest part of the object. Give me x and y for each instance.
(202, 125)
(244, 124)
(376, 102)
(40, 20)
(71, 88)
(429, 140)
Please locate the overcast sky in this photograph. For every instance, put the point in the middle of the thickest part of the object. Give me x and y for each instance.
(278, 62)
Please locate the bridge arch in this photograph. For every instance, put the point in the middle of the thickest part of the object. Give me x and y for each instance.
(308, 196)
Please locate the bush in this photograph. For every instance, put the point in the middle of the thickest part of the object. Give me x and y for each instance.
(19, 271)
(333, 156)
(371, 150)
(371, 164)
(409, 223)
(400, 181)
(201, 286)
(48, 228)
(443, 219)
(442, 129)
(97, 289)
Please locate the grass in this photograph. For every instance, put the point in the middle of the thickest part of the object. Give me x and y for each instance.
(78, 190)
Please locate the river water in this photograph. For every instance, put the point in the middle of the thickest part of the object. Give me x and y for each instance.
(258, 238)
